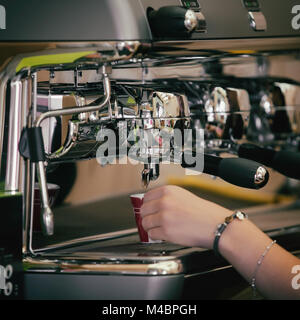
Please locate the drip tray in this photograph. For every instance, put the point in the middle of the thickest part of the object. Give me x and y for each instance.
(129, 247)
(127, 255)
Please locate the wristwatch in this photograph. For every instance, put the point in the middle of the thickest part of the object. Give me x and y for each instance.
(221, 227)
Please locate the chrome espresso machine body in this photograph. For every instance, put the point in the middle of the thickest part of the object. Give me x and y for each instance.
(73, 74)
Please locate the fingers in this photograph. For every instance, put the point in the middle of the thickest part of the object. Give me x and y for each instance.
(156, 193)
(157, 234)
(156, 200)
(152, 225)
(151, 221)
(150, 207)
(155, 212)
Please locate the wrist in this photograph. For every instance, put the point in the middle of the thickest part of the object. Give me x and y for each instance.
(214, 226)
(237, 215)
(243, 241)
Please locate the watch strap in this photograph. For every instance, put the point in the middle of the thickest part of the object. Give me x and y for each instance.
(221, 228)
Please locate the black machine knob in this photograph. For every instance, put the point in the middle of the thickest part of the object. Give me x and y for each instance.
(240, 172)
(171, 21)
(285, 162)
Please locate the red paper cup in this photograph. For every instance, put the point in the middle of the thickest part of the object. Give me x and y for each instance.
(53, 191)
(137, 201)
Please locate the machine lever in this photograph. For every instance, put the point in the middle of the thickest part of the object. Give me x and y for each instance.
(240, 172)
(170, 21)
(285, 162)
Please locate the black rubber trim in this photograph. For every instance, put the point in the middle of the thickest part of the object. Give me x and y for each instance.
(31, 144)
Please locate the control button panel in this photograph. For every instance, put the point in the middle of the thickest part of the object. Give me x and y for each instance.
(191, 4)
(252, 5)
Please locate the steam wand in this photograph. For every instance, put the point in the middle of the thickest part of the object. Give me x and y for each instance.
(32, 146)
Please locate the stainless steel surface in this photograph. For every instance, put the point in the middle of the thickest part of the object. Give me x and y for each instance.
(77, 110)
(115, 253)
(235, 24)
(94, 54)
(160, 111)
(117, 287)
(76, 266)
(127, 20)
(102, 53)
(3, 86)
(28, 207)
(46, 212)
(15, 125)
(29, 177)
(87, 240)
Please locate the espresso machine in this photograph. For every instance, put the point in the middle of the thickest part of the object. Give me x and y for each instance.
(77, 73)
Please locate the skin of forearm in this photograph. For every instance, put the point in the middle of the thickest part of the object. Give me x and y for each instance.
(242, 244)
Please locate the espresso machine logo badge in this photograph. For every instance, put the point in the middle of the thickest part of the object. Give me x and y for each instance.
(2, 18)
(296, 18)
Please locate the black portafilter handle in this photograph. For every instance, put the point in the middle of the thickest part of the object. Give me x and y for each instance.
(240, 172)
(172, 21)
(285, 162)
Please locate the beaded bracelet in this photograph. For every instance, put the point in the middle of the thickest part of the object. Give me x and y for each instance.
(259, 262)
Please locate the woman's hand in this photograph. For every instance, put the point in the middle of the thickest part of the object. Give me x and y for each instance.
(176, 215)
